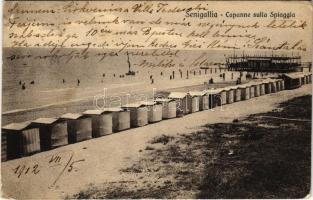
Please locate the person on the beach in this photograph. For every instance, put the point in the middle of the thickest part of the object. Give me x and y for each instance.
(23, 86)
(238, 81)
(78, 82)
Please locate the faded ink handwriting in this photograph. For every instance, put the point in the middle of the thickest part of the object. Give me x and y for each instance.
(113, 28)
(62, 160)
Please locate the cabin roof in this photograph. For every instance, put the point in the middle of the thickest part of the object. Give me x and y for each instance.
(132, 105)
(45, 120)
(267, 80)
(294, 75)
(71, 116)
(114, 109)
(148, 103)
(213, 91)
(17, 126)
(234, 86)
(251, 83)
(197, 93)
(163, 100)
(94, 112)
(243, 85)
(225, 88)
(177, 95)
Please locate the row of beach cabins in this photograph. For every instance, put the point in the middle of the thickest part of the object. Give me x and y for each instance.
(27, 138)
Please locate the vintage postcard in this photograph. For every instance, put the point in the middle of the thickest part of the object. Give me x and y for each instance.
(156, 99)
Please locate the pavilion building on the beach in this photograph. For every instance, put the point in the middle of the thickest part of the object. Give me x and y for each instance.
(280, 64)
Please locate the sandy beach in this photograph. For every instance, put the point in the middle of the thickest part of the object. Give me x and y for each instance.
(56, 103)
(100, 161)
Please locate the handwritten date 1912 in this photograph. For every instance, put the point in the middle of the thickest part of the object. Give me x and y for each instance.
(63, 160)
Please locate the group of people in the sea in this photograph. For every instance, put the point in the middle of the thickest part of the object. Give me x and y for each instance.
(23, 84)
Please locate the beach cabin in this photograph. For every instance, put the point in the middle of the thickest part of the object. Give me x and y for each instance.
(203, 98)
(120, 118)
(214, 97)
(302, 80)
(292, 80)
(183, 102)
(197, 98)
(268, 87)
(257, 89)
(3, 146)
(204, 102)
(154, 110)
(237, 93)
(230, 94)
(138, 114)
(273, 85)
(168, 107)
(306, 78)
(79, 127)
(22, 139)
(278, 85)
(195, 102)
(245, 91)
(262, 88)
(223, 95)
(252, 89)
(101, 122)
(282, 84)
(52, 131)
